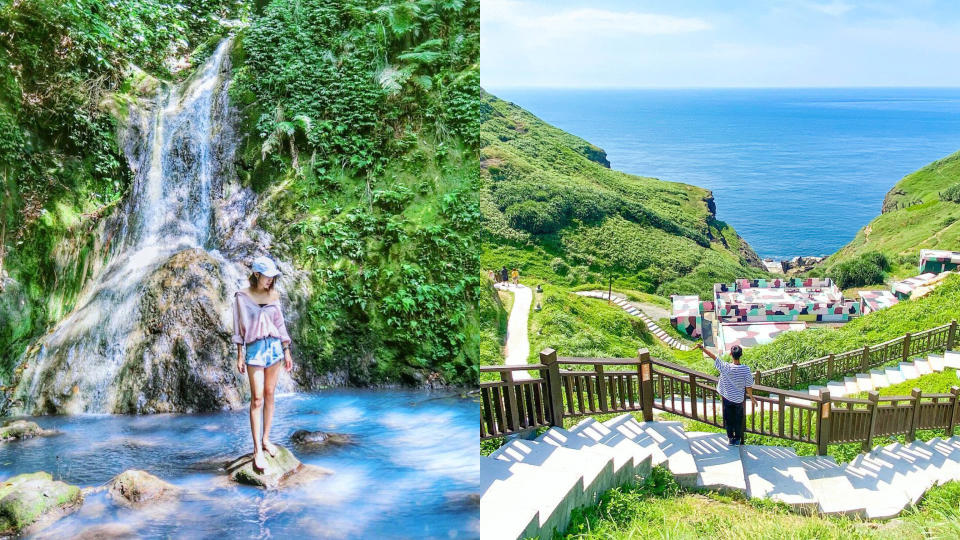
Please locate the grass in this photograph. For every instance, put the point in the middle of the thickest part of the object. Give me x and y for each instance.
(657, 507)
(933, 383)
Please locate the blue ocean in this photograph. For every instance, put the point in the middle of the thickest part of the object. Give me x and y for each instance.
(795, 171)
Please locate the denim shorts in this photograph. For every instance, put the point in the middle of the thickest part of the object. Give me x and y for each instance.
(264, 352)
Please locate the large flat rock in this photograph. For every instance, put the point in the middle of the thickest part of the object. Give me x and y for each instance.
(30, 502)
(22, 429)
(283, 470)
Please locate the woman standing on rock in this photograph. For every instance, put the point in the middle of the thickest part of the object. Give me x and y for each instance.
(259, 328)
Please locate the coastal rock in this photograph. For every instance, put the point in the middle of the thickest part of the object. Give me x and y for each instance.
(135, 488)
(22, 429)
(32, 501)
(319, 438)
(283, 470)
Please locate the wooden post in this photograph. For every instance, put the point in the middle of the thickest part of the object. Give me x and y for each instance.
(512, 403)
(693, 398)
(782, 409)
(646, 384)
(601, 387)
(952, 334)
(548, 357)
(829, 367)
(793, 374)
(915, 414)
(873, 396)
(906, 346)
(823, 423)
(954, 401)
(865, 359)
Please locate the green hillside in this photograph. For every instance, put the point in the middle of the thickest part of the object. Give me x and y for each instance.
(552, 206)
(915, 216)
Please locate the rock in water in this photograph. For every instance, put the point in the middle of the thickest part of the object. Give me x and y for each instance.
(30, 502)
(319, 438)
(22, 429)
(135, 487)
(283, 470)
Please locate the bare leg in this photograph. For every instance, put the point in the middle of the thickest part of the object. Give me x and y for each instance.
(269, 385)
(255, 374)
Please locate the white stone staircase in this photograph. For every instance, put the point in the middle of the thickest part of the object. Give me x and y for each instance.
(883, 377)
(529, 488)
(627, 306)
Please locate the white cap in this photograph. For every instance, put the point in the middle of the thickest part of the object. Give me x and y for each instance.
(265, 266)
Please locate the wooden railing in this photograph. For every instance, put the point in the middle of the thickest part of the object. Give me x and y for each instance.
(833, 366)
(562, 387)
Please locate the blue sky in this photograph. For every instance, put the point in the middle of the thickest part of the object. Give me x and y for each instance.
(698, 43)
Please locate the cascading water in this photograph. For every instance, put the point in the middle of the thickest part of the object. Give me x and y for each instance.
(75, 368)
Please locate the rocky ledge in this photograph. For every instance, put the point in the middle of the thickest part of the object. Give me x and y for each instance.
(283, 470)
(22, 429)
(30, 502)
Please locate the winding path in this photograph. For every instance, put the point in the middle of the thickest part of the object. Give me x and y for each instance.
(631, 308)
(518, 342)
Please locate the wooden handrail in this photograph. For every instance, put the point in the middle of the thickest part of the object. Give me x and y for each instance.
(597, 361)
(497, 369)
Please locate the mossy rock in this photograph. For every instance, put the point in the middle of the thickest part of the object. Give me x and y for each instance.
(30, 502)
(320, 438)
(282, 470)
(134, 488)
(22, 429)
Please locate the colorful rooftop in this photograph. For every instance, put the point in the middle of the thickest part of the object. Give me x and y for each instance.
(876, 300)
(749, 334)
(938, 260)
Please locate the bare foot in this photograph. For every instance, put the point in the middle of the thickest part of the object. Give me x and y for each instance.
(259, 462)
(270, 448)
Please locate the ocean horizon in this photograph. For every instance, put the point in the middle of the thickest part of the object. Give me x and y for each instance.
(796, 171)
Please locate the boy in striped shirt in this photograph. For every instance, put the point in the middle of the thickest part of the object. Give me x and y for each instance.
(735, 379)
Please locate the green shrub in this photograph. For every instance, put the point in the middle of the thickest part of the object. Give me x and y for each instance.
(951, 194)
(867, 269)
(534, 217)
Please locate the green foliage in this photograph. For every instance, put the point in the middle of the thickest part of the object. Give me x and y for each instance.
(362, 128)
(951, 194)
(939, 307)
(867, 269)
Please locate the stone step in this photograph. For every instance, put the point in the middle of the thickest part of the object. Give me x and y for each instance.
(894, 375)
(910, 468)
(837, 389)
(643, 448)
(951, 359)
(850, 385)
(595, 469)
(936, 362)
(875, 490)
(950, 449)
(923, 366)
(830, 486)
(718, 463)
(775, 472)
(814, 390)
(668, 437)
(864, 382)
(527, 501)
(879, 378)
(909, 370)
(627, 463)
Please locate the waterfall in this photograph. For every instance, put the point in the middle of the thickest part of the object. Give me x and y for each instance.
(76, 365)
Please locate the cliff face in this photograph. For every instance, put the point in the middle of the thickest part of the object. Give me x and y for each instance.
(544, 192)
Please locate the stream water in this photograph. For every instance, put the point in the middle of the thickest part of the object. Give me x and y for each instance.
(410, 473)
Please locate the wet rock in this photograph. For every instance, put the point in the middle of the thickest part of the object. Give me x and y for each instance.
(463, 499)
(303, 437)
(30, 502)
(282, 470)
(107, 531)
(22, 429)
(135, 488)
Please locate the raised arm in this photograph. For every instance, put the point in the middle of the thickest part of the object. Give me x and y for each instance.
(717, 363)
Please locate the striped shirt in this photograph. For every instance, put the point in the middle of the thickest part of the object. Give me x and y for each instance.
(734, 378)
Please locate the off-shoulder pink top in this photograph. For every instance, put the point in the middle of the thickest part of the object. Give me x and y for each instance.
(252, 322)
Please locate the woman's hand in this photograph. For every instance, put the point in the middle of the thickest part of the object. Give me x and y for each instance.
(287, 360)
(241, 366)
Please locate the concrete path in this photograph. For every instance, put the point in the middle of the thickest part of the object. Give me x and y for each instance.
(633, 309)
(518, 342)
(530, 488)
